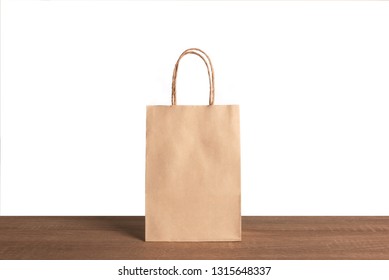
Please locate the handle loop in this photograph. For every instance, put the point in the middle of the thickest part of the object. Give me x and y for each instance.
(210, 70)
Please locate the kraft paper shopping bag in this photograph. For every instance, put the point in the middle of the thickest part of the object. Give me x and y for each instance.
(193, 169)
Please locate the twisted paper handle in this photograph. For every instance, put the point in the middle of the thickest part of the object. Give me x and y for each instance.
(210, 70)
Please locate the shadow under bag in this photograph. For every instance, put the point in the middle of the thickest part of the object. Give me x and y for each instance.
(193, 169)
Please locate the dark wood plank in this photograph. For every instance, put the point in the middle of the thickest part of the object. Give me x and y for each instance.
(263, 238)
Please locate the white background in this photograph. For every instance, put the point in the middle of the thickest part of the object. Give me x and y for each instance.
(108, 269)
(311, 79)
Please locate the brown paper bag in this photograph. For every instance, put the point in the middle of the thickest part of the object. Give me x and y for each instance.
(193, 169)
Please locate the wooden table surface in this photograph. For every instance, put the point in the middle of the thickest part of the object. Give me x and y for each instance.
(268, 238)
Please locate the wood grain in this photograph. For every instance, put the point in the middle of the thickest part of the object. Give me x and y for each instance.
(269, 238)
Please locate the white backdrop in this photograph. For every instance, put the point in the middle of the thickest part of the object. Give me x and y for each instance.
(311, 79)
